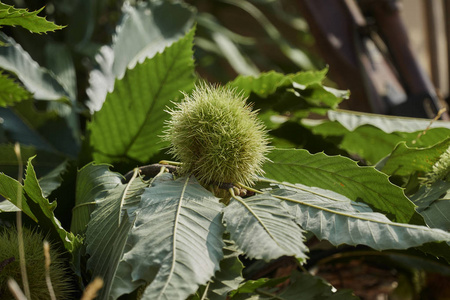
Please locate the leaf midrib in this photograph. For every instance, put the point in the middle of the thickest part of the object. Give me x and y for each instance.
(168, 71)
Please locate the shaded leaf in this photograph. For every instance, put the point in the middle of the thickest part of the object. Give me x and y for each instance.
(302, 286)
(434, 204)
(35, 205)
(131, 120)
(29, 20)
(264, 229)
(93, 183)
(108, 229)
(44, 162)
(52, 180)
(343, 176)
(176, 242)
(333, 218)
(36, 79)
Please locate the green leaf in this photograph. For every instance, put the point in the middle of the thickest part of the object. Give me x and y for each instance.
(302, 286)
(10, 91)
(132, 118)
(388, 124)
(29, 20)
(227, 279)
(44, 130)
(34, 204)
(93, 183)
(343, 176)
(434, 204)
(264, 229)
(230, 275)
(36, 79)
(405, 161)
(377, 143)
(52, 180)
(176, 242)
(332, 217)
(111, 221)
(143, 31)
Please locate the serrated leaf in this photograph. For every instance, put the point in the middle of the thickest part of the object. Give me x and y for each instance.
(29, 20)
(336, 220)
(143, 32)
(176, 242)
(389, 124)
(227, 279)
(404, 161)
(264, 229)
(343, 176)
(93, 183)
(110, 223)
(230, 275)
(35, 205)
(10, 91)
(434, 204)
(36, 79)
(377, 143)
(131, 120)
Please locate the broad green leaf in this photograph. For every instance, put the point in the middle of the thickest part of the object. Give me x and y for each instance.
(35, 205)
(144, 30)
(263, 229)
(434, 204)
(132, 118)
(93, 183)
(10, 91)
(36, 79)
(7, 206)
(334, 218)
(352, 120)
(111, 221)
(377, 143)
(343, 176)
(266, 84)
(12, 16)
(176, 242)
(404, 161)
(302, 286)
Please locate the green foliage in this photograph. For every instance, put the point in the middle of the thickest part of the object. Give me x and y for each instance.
(10, 91)
(138, 113)
(361, 180)
(29, 20)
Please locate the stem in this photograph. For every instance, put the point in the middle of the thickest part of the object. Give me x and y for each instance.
(23, 268)
(172, 163)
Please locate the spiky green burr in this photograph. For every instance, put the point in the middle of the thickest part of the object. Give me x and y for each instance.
(35, 265)
(217, 136)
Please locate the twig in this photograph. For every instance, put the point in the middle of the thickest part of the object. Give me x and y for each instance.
(91, 290)
(15, 290)
(23, 268)
(48, 261)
